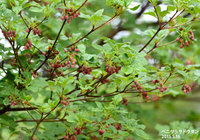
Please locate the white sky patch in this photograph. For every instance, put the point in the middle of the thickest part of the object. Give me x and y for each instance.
(138, 31)
(148, 18)
(3, 40)
(133, 4)
(121, 34)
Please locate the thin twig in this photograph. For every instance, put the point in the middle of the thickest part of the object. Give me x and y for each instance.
(49, 52)
(159, 29)
(41, 22)
(80, 7)
(92, 30)
(23, 19)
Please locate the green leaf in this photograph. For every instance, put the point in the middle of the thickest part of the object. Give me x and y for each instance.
(82, 48)
(117, 99)
(72, 118)
(82, 15)
(99, 105)
(21, 41)
(17, 9)
(135, 8)
(151, 14)
(154, 2)
(141, 134)
(6, 101)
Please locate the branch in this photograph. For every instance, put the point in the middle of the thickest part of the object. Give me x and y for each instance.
(23, 19)
(42, 119)
(47, 120)
(41, 22)
(8, 109)
(79, 7)
(93, 29)
(49, 52)
(157, 16)
(159, 29)
(144, 7)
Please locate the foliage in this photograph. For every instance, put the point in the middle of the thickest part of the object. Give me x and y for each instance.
(63, 78)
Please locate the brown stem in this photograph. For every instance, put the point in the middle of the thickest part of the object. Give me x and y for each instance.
(47, 120)
(92, 30)
(159, 29)
(42, 119)
(180, 24)
(167, 43)
(155, 46)
(16, 56)
(7, 109)
(170, 19)
(79, 7)
(29, 31)
(64, 2)
(38, 123)
(23, 19)
(49, 52)
(168, 77)
(41, 22)
(28, 112)
(157, 16)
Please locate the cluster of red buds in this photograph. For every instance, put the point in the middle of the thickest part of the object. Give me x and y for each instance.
(69, 137)
(155, 81)
(12, 102)
(13, 62)
(85, 70)
(161, 88)
(56, 65)
(28, 45)
(9, 34)
(54, 52)
(64, 102)
(187, 42)
(186, 89)
(140, 89)
(191, 35)
(71, 14)
(118, 126)
(73, 49)
(112, 69)
(72, 53)
(77, 131)
(101, 132)
(124, 101)
(34, 74)
(137, 86)
(145, 95)
(69, 63)
(35, 31)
